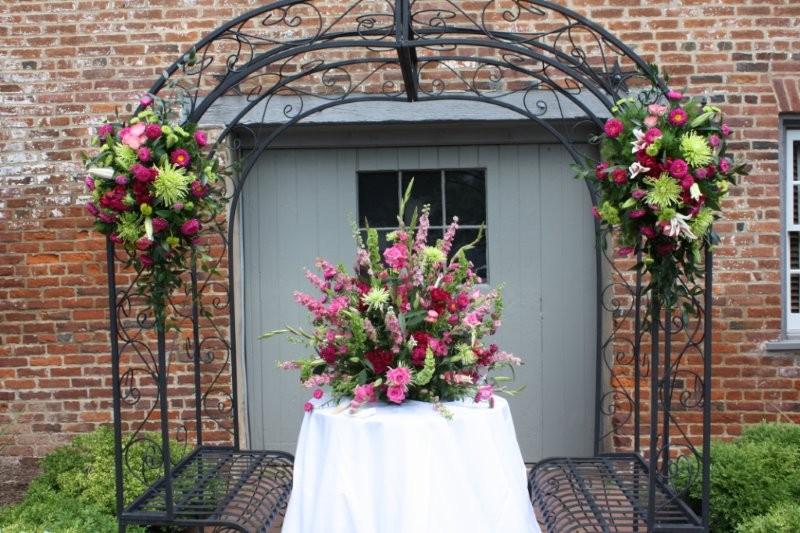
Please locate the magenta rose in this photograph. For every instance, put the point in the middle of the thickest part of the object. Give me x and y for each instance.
(364, 393)
(396, 256)
(308, 407)
(159, 225)
(396, 394)
(678, 168)
(105, 129)
(201, 138)
(144, 244)
(613, 127)
(152, 131)
(190, 227)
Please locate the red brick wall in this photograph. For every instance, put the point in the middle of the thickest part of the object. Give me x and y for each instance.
(65, 66)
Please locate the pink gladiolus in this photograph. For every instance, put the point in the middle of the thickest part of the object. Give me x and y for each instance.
(400, 376)
(613, 127)
(449, 236)
(396, 394)
(190, 227)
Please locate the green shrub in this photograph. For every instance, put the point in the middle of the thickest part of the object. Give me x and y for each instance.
(783, 518)
(75, 491)
(749, 476)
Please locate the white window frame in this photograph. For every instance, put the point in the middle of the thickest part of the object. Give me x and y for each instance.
(792, 167)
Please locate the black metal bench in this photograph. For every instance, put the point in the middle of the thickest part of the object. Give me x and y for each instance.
(605, 494)
(221, 489)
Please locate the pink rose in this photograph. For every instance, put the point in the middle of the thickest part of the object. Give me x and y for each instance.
(484, 393)
(396, 394)
(190, 227)
(400, 376)
(396, 256)
(200, 138)
(613, 127)
(318, 394)
(133, 136)
(657, 109)
(308, 407)
(152, 131)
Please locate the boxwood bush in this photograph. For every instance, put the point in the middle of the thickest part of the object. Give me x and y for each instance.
(75, 492)
(750, 476)
(783, 518)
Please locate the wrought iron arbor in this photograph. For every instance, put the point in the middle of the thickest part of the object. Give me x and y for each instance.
(282, 64)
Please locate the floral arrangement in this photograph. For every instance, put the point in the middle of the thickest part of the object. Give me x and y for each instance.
(152, 187)
(407, 325)
(663, 173)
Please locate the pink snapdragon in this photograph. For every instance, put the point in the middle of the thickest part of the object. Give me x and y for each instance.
(449, 236)
(317, 380)
(396, 332)
(422, 231)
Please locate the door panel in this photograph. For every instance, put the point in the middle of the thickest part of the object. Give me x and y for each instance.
(540, 246)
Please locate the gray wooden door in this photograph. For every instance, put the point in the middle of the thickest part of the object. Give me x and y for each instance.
(540, 245)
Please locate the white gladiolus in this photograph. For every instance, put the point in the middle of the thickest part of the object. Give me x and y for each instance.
(101, 172)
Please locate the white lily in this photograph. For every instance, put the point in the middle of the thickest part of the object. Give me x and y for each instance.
(101, 172)
(678, 226)
(694, 191)
(637, 168)
(639, 144)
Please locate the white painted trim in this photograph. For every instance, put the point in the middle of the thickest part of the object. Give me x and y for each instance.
(792, 319)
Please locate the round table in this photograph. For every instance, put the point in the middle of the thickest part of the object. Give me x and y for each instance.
(407, 469)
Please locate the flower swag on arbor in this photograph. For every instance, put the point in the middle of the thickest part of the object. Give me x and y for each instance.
(153, 186)
(664, 171)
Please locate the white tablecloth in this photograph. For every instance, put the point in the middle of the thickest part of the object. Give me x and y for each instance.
(406, 469)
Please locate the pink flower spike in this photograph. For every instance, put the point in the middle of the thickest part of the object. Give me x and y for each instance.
(308, 407)
(89, 182)
(318, 394)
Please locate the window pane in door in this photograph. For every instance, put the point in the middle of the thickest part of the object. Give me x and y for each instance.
(378, 199)
(794, 250)
(465, 191)
(427, 190)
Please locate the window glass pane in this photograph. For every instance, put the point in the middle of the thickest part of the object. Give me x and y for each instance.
(796, 204)
(796, 159)
(794, 250)
(795, 293)
(465, 193)
(378, 199)
(427, 190)
(477, 254)
(382, 242)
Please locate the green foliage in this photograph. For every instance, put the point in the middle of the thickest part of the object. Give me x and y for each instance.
(749, 477)
(75, 493)
(783, 518)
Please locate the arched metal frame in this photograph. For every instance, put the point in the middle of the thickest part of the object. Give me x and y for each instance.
(293, 59)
